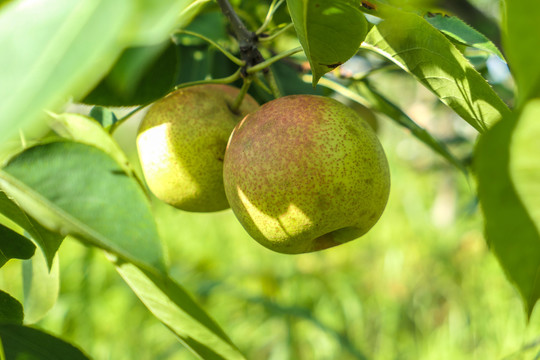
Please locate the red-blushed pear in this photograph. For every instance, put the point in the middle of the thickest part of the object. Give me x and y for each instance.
(181, 143)
(305, 173)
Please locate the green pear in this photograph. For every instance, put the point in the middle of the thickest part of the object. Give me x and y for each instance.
(181, 143)
(305, 173)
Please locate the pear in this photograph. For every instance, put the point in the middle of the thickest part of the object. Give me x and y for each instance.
(181, 144)
(305, 173)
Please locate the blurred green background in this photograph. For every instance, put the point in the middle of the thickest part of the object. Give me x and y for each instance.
(421, 284)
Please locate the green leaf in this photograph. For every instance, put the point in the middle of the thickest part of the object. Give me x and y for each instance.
(22, 342)
(456, 29)
(173, 306)
(508, 191)
(88, 131)
(103, 115)
(330, 32)
(68, 47)
(77, 189)
(48, 241)
(14, 246)
(141, 75)
(380, 103)
(521, 44)
(11, 311)
(412, 43)
(525, 161)
(40, 286)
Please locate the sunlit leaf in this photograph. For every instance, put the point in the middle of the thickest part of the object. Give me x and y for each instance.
(521, 44)
(458, 30)
(41, 287)
(412, 43)
(22, 342)
(86, 130)
(173, 306)
(11, 311)
(525, 159)
(77, 189)
(14, 246)
(68, 46)
(47, 240)
(508, 190)
(330, 32)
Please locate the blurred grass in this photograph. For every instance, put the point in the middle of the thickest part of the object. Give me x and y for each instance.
(420, 285)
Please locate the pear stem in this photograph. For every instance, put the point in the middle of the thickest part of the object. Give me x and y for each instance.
(235, 107)
(269, 76)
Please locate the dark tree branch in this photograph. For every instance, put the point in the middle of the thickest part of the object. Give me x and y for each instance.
(247, 40)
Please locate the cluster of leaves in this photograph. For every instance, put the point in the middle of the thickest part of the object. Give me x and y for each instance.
(77, 182)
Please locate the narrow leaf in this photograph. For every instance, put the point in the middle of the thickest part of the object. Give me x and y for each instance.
(173, 306)
(412, 43)
(458, 30)
(40, 286)
(22, 342)
(511, 230)
(385, 106)
(77, 189)
(14, 246)
(47, 240)
(367, 96)
(11, 311)
(330, 32)
(521, 44)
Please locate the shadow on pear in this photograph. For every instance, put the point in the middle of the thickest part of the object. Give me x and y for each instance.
(304, 173)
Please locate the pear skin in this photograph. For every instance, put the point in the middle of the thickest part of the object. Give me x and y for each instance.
(305, 173)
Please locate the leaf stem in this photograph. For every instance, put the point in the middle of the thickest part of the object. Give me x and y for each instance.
(225, 52)
(271, 10)
(261, 84)
(276, 34)
(268, 62)
(226, 80)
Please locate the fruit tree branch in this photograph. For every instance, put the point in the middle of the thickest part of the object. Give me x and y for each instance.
(247, 40)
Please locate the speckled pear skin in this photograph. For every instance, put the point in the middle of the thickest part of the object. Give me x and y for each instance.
(181, 143)
(305, 173)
